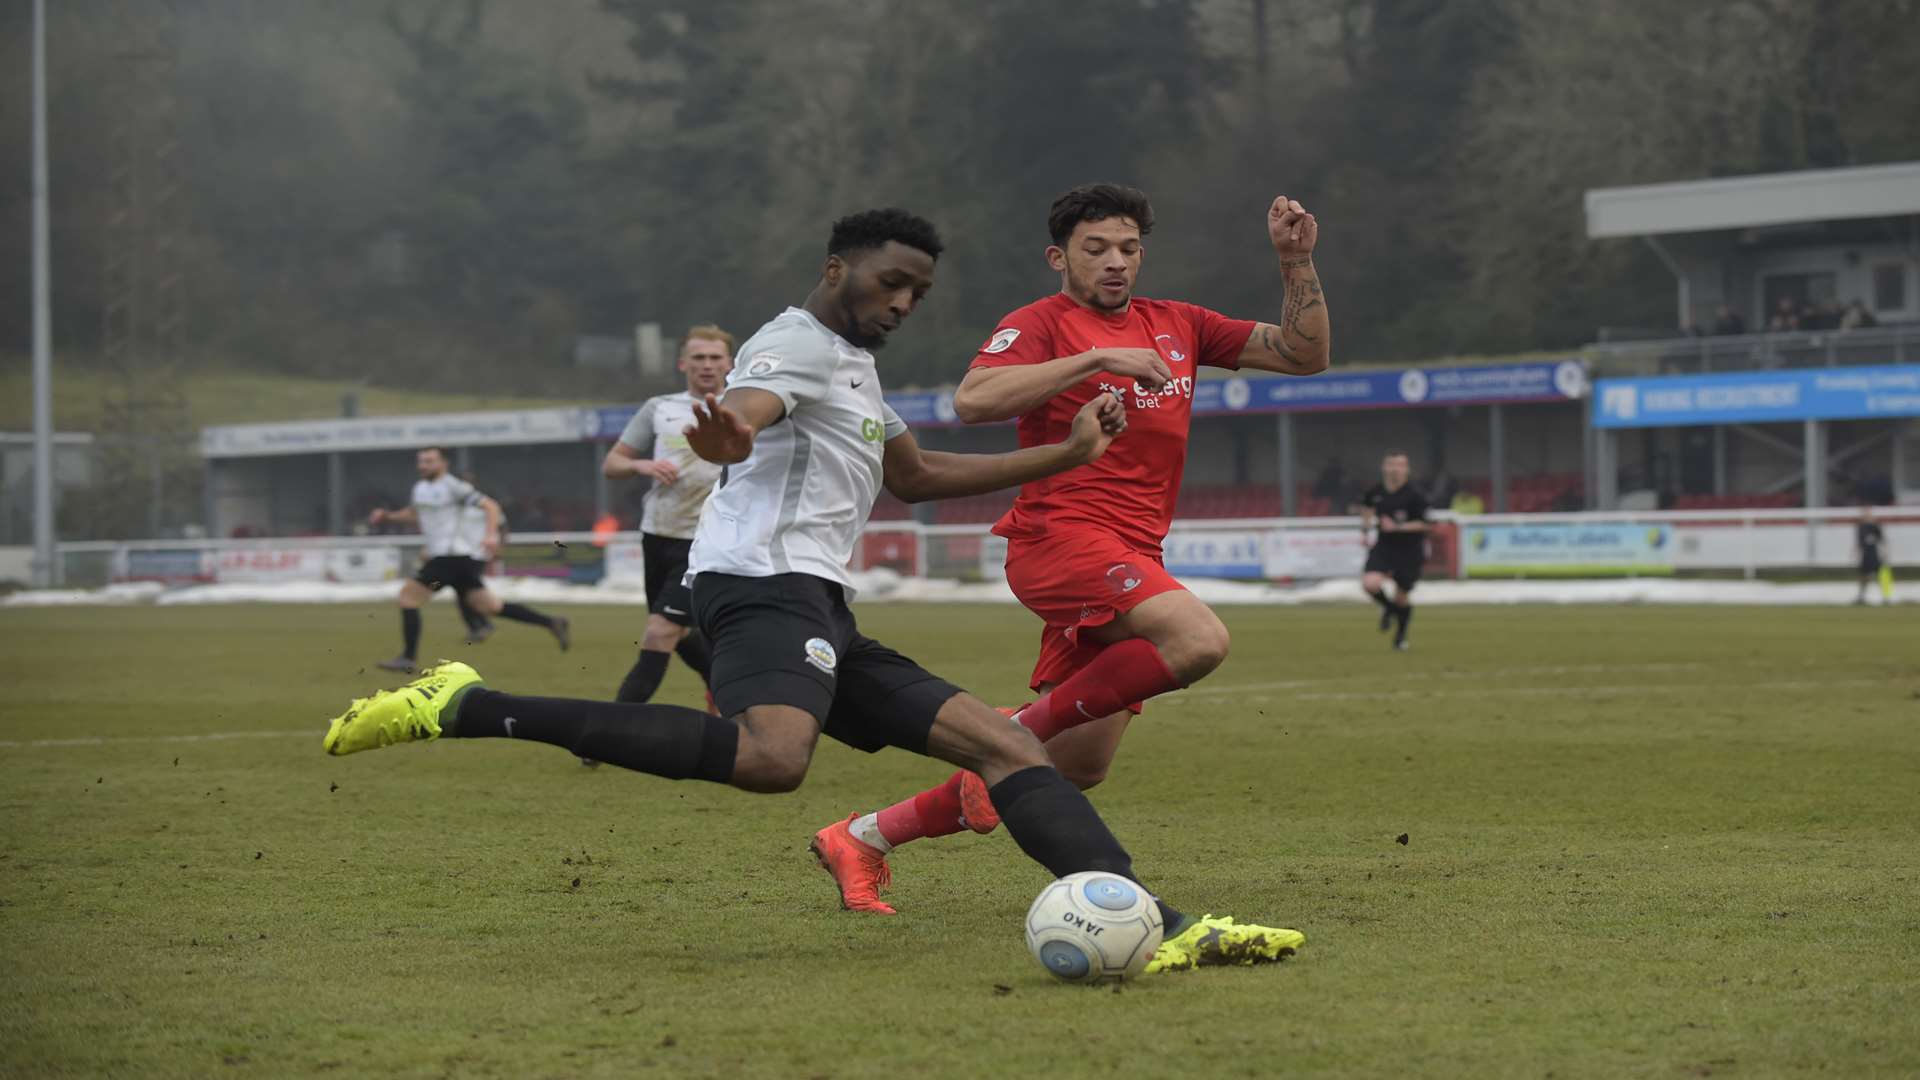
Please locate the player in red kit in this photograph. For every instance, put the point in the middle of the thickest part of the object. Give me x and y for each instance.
(1084, 547)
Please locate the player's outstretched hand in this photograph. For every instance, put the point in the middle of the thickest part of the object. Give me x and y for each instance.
(718, 434)
(378, 516)
(1292, 230)
(1095, 426)
(1143, 366)
(663, 472)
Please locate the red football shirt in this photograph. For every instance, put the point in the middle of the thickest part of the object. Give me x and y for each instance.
(1131, 490)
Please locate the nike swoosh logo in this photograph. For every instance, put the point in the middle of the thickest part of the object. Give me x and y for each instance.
(859, 384)
(509, 727)
(671, 611)
(1082, 706)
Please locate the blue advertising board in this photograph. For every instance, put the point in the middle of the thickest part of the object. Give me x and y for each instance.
(1221, 553)
(1385, 388)
(1846, 393)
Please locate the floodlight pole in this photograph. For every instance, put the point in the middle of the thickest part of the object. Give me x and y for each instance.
(45, 570)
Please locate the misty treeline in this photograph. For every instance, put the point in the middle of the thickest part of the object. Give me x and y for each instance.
(419, 192)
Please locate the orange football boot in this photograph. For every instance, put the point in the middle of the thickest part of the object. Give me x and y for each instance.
(858, 869)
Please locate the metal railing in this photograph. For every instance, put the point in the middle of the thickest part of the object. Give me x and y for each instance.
(1753, 352)
(1744, 541)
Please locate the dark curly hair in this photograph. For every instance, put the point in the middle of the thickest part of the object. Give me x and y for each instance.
(873, 228)
(1098, 202)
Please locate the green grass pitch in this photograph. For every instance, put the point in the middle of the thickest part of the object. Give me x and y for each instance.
(1660, 842)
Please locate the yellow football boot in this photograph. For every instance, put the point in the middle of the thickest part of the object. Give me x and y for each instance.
(409, 714)
(1217, 941)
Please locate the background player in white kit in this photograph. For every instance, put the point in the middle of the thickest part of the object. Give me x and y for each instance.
(654, 446)
(439, 501)
(474, 525)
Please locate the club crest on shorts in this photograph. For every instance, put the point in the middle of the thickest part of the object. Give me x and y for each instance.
(1001, 341)
(1124, 577)
(821, 655)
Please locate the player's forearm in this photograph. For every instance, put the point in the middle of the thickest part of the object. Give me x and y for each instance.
(1301, 343)
(1004, 393)
(620, 467)
(954, 476)
(405, 516)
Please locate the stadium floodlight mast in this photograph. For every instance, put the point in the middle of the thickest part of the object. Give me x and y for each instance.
(45, 573)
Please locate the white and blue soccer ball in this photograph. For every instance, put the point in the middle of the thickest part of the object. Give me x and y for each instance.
(1093, 926)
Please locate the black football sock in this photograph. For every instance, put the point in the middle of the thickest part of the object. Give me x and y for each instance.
(1055, 824)
(694, 653)
(525, 614)
(1381, 599)
(1173, 923)
(1405, 615)
(468, 615)
(666, 740)
(1058, 828)
(410, 632)
(644, 679)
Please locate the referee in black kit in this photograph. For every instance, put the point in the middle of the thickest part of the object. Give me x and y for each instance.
(1397, 515)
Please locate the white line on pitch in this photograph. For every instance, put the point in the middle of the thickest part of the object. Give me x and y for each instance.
(213, 736)
(1430, 676)
(1579, 691)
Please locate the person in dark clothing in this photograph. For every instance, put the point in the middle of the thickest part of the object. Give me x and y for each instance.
(1396, 513)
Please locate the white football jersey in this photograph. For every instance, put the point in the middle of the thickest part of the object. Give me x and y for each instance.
(655, 431)
(800, 500)
(441, 504)
(473, 529)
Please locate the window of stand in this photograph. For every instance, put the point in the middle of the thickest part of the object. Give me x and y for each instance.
(1890, 288)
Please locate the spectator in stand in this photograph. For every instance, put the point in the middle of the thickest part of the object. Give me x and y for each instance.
(1727, 321)
(1786, 316)
(1857, 317)
(1822, 316)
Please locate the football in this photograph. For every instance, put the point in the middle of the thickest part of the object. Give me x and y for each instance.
(1093, 926)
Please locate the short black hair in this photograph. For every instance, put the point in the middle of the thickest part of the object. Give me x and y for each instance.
(873, 228)
(1098, 202)
(438, 449)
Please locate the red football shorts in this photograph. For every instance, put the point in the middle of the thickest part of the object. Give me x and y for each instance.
(1074, 579)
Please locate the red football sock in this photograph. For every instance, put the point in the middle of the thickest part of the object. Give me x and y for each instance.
(1124, 672)
(933, 812)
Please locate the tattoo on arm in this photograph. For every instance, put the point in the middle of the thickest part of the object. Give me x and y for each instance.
(1303, 295)
(1298, 344)
(1269, 338)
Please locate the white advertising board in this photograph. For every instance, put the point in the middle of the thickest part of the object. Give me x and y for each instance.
(626, 563)
(259, 564)
(1315, 554)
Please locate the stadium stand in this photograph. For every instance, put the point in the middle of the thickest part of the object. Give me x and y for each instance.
(1778, 500)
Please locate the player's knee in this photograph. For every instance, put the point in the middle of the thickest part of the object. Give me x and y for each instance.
(1204, 647)
(1008, 748)
(662, 635)
(769, 775)
(770, 766)
(1082, 776)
